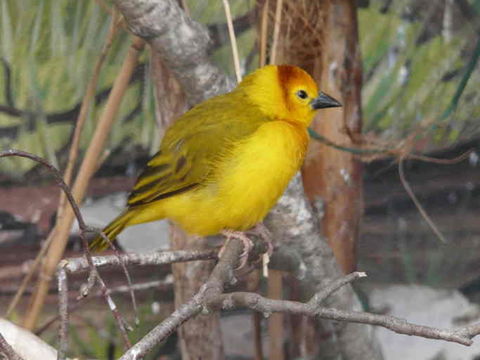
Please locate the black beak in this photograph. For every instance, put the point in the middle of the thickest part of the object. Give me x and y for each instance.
(323, 101)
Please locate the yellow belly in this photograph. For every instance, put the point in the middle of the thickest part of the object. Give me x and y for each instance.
(246, 185)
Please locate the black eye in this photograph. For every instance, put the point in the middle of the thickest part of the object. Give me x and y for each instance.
(302, 94)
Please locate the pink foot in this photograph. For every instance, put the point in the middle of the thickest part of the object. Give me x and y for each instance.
(247, 245)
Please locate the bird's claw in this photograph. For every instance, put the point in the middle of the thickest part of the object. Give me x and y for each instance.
(247, 245)
(262, 231)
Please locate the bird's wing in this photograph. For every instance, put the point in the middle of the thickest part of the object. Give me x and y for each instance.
(191, 148)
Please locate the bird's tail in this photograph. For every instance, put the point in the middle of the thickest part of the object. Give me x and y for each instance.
(98, 243)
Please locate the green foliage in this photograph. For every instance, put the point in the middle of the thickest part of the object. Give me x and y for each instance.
(411, 82)
(50, 48)
(92, 337)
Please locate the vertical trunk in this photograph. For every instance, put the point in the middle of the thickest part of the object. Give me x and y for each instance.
(200, 338)
(333, 175)
(296, 229)
(322, 37)
(276, 321)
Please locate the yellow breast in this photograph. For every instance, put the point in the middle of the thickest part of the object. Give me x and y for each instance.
(247, 182)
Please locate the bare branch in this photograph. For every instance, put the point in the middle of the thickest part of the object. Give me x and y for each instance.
(63, 311)
(58, 178)
(80, 264)
(211, 298)
(94, 275)
(318, 298)
(162, 285)
(221, 275)
(267, 306)
(181, 42)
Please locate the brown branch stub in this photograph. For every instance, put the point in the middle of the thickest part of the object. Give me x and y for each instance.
(320, 296)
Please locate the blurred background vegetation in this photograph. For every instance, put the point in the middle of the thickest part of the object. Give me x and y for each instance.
(420, 61)
(421, 76)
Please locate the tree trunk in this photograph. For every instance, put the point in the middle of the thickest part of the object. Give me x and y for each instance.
(336, 176)
(295, 228)
(200, 338)
(322, 38)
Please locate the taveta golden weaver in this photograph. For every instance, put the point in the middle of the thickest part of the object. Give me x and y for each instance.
(223, 164)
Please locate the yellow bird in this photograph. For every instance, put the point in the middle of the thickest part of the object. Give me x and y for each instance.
(223, 164)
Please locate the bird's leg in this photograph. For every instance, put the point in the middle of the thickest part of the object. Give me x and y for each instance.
(261, 230)
(247, 245)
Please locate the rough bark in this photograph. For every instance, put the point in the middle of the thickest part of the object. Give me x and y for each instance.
(336, 176)
(295, 226)
(322, 37)
(182, 43)
(200, 338)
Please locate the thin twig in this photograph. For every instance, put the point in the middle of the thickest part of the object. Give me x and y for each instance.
(80, 264)
(276, 31)
(94, 275)
(87, 168)
(400, 326)
(264, 34)
(430, 159)
(162, 285)
(233, 40)
(63, 312)
(125, 272)
(221, 275)
(417, 203)
(319, 297)
(211, 298)
(58, 178)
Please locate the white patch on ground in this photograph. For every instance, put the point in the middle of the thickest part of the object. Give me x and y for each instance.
(425, 306)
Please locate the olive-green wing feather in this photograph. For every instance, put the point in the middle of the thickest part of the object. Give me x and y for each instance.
(192, 146)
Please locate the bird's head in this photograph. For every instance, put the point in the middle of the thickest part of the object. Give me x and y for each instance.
(286, 92)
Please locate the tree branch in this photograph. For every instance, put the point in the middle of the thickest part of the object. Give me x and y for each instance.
(80, 264)
(63, 312)
(181, 42)
(211, 298)
(266, 306)
(221, 276)
(94, 275)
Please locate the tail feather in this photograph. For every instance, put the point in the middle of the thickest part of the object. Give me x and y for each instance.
(111, 231)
